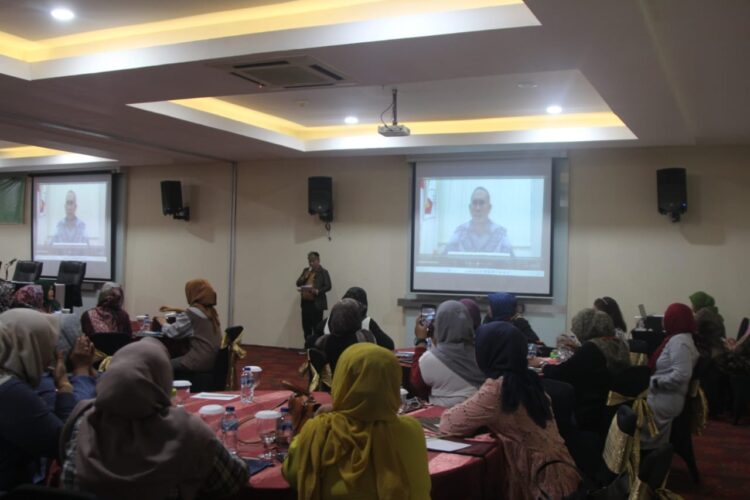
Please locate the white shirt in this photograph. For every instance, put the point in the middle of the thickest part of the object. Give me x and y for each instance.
(446, 388)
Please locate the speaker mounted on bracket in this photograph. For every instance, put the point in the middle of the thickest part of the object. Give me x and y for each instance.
(320, 197)
(171, 200)
(671, 190)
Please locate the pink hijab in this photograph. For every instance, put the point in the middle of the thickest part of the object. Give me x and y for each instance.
(133, 444)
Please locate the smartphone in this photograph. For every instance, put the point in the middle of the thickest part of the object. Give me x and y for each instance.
(428, 316)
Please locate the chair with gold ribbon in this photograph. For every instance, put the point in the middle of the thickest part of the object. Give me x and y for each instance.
(318, 371)
(235, 352)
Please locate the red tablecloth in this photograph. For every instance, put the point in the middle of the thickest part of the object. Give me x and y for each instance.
(453, 476)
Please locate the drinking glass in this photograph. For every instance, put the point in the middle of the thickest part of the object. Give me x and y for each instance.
(182, 389)
(267, 421)
(257, 372)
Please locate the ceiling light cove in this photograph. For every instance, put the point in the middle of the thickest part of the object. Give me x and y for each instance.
(554, 109)
(62, 14)
(351, 120)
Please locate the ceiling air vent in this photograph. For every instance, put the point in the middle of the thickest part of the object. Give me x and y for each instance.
(289, 73)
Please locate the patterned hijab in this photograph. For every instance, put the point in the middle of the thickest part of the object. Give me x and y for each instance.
(27, 344)
(589, 324)
(474, 312)
(454, 335)
(360, 431)
(30, 296)
(109, 302)
(133, 443)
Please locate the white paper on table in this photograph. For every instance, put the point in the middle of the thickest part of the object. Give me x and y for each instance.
(436, 444)
(214, 395)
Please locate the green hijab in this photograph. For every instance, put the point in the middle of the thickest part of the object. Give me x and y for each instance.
(701, 300)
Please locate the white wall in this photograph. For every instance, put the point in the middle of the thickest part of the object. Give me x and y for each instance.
(369, 247)
(621, 246)
(162, 253)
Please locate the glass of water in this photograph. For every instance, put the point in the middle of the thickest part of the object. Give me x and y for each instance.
(267, 421)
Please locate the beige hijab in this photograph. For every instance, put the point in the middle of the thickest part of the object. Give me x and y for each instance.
(132, 443)
(27, 344)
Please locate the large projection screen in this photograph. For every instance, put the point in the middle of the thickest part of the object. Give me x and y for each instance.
(72, 220)
(482, 226)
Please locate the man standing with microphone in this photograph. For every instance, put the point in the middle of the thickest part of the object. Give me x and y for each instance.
(313, 284)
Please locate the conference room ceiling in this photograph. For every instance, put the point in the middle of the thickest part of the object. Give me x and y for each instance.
(143, 82)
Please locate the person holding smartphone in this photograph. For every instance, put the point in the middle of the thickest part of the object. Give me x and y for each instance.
(448, 373)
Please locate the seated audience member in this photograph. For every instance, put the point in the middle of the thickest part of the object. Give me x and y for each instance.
(475, 313)
(51, 304)
(514, 406)
(7, 290)
(504, 307)
(361, 448)
(612, 308)
(345, 323)
(29, 297)
(369, 324)
(672, 366)
(448, 372)
(108, 316)
(29, 426)
(591, 368)
(130, 442)
(199, 325)
(710, 334)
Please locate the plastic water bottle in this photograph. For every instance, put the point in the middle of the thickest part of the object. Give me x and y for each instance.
(229, 426)
(247, 385)
(146, 326)
(284, 429)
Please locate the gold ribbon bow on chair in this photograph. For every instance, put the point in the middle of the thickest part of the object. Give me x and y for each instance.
(235, 352)
(621, 451)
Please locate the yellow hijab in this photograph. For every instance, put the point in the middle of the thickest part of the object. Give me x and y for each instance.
(359, 432)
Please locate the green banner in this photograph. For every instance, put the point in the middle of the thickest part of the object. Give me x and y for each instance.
(12, 190)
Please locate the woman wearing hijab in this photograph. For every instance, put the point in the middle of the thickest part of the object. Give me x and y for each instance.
(108, 316)
(514, 406)
(199, 325)
(672, 365)
(367, 323)
(30, 428)
(449, 371)
(130, 442)
(504, 307)
(345, 325)
(590, 370)
(29, 297)
(50, 303)
(361, 449)
(475, 313)
(710, 334)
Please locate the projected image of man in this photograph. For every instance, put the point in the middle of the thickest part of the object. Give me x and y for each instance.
(70, 229)
(480, 234)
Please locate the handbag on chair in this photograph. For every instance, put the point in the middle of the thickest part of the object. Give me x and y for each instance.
(302, 405)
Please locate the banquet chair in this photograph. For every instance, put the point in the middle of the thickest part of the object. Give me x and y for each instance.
(71, 274)
(318, 371)
(618, 450)
(740, 395)
(216, 379)
(681, 436)
(742, 330)
(27, 271)
(654, 469)
(626, 387)
(638, 352)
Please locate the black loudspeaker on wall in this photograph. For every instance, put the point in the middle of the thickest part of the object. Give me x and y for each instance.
(671, 189)
(171, 200)
(320, 197)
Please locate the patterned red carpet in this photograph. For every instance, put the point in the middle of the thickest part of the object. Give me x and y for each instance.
(722, 452)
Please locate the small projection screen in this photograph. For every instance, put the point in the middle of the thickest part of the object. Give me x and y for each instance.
(72, 220)
(482, 226)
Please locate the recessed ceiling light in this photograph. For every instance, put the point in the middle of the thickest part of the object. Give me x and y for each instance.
(554, 109)
(62, 14)
(528, 85)
(351, 120)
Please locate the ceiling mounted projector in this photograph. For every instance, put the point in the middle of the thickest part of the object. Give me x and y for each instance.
(395, 129)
